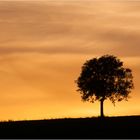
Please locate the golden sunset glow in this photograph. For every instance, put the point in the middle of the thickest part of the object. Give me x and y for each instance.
(43, 45)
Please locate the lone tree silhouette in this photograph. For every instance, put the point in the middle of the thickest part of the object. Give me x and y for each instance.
(104, 78)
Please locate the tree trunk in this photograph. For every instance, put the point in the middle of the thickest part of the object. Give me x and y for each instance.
(102, 108)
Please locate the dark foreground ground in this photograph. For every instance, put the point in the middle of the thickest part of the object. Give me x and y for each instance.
(110, 127)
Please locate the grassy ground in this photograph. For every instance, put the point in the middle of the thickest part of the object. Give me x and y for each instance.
(110, 127)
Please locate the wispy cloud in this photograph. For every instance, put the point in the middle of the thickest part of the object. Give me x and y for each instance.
(44, 44)
(70, 28)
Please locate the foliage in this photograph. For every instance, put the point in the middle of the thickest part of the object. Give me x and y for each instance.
(103, 78)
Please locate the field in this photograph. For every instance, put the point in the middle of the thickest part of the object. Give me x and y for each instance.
(110, 127)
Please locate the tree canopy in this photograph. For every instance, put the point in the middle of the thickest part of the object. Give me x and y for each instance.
(105, 78)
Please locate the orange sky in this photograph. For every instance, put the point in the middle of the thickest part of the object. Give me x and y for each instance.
(43, 45)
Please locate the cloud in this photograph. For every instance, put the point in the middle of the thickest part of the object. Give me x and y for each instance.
(36, 27)
(44, 44)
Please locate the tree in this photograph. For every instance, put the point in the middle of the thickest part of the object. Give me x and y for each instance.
(105, 78)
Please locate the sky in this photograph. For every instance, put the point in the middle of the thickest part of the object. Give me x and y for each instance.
(43, 45)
